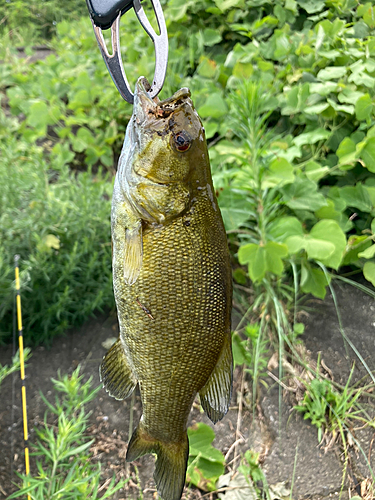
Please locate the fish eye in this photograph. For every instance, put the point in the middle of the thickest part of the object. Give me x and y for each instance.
(182, 141)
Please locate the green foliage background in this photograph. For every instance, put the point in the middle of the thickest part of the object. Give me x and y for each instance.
(286, 93)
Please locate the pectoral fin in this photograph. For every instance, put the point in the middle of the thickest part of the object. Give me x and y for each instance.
(115, 373)
(215, 395)
(133, 252)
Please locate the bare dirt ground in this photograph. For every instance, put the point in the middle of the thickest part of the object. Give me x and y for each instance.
(288, 445)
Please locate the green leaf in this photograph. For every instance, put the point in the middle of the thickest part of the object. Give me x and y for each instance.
(235, 208)
(364, 107)
(316, 249)
(211, 37)
(356, 197)
(329, 231)
(263, 258)
(356, 244)
(316, 109)
(320, 134)
(298, 328)
(206, 463)
(214, 107)
(311, 6)
(331, 72)
(239, 350)
(207, 67)
(368, 154)
(369, 253)
(313, 281)
(347, 151)
(274, 253)
(369, 272)
(303, 195)
(283, 227)
(314, 171)
(38, 115)
(280, 173)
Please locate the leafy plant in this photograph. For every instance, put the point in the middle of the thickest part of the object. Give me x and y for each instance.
(15, 366)
(60, 227)
(63, 463)
(331, 409)
(206, 463)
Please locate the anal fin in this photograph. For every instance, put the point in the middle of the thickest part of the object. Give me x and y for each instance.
(133, 252)
(215, 395)
(171, 462)
(115, 373)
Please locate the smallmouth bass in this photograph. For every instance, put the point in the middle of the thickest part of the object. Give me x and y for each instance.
(172, 283)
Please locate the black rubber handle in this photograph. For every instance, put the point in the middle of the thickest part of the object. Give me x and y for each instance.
(104, 12)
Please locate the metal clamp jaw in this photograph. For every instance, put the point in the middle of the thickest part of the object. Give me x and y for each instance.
(106, 14)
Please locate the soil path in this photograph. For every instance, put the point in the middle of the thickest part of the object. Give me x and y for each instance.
(288, 444)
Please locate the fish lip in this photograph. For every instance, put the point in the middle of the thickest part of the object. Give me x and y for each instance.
(144, 106)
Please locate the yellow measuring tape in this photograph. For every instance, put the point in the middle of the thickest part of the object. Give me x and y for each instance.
(22, 365)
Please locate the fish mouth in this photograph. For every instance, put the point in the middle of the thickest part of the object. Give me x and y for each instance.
(146, 108)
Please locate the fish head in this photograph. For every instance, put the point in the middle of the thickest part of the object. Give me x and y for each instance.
(167, 133)
(164, 153)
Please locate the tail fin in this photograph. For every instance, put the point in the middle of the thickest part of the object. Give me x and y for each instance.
(171, 462)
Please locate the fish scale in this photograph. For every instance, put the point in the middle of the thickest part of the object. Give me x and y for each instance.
(157, 347)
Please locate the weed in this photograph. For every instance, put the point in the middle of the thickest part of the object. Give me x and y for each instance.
(62, 450)
(330, 409)
(15, 366)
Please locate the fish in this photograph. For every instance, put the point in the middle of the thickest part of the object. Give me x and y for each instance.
(172, 283)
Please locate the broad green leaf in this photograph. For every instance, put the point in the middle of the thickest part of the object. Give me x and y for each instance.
(243, 70)
(224, 5)
(330, 231)
(345, 108)
(346, 151)
(369, 253)
(314, 171)
(200, 439)
(303, 195)
(206, 463)
(274, 253)
(356, 197)
(207, 67)
(280, 173)
(235, 208)
(317, 249)
(214, 107)
(211, 37)
(323, 89)
(316, 109)
(364, 107)
(356, 244)
(331, 212)
(38, 115)
(368, 154)
(283, 227)
(331, 72)
(373, 226)
(312, 6)
(369, 272)
(320, 134)
(261, 259)
(313, 281)
(349, 96)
